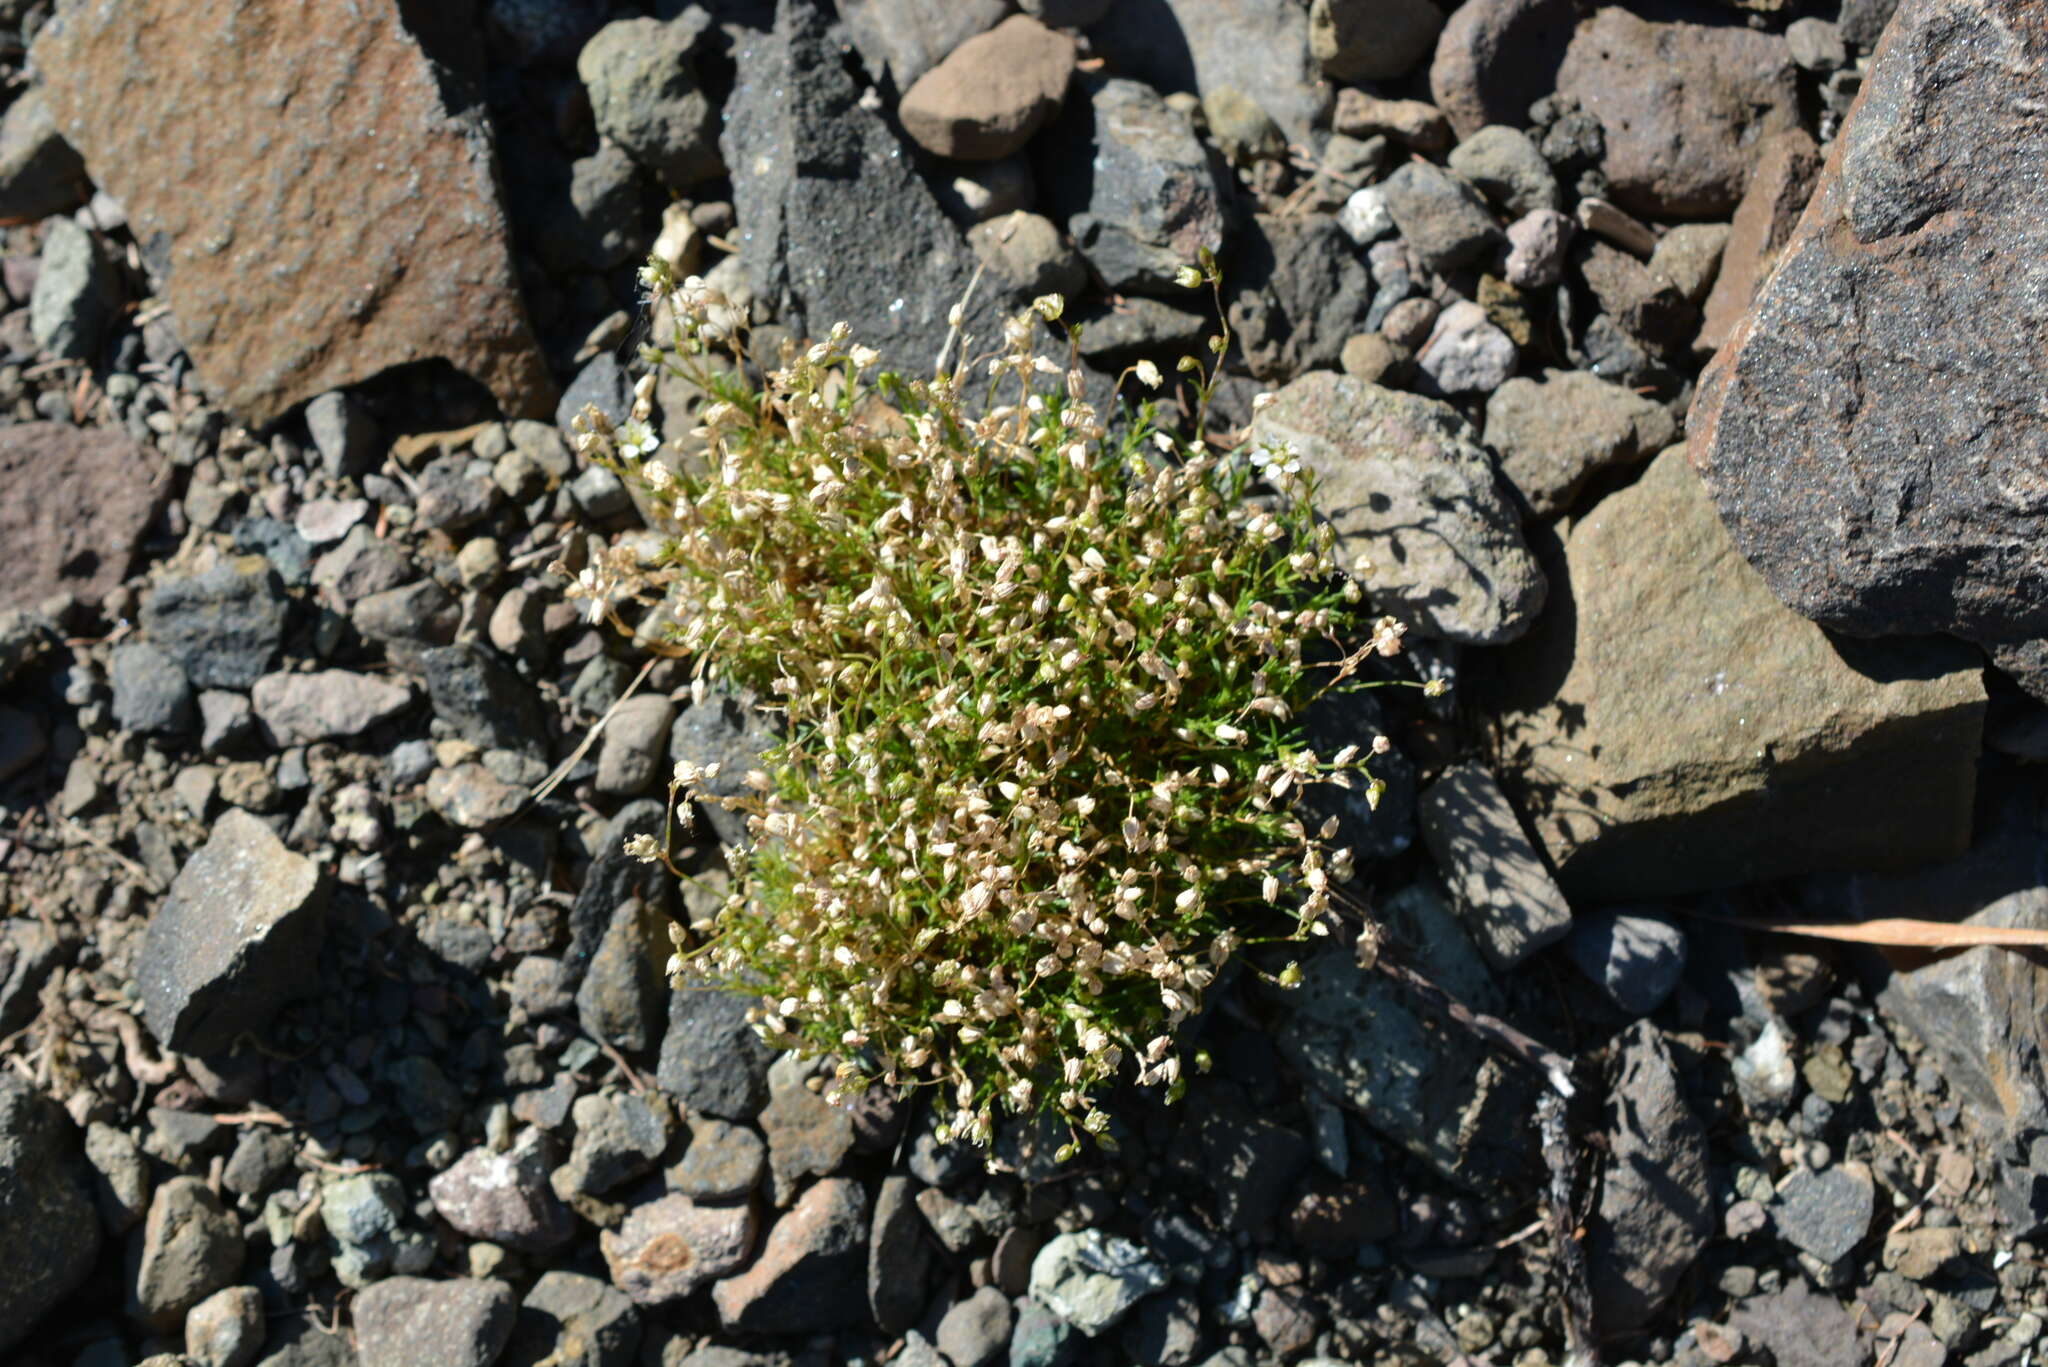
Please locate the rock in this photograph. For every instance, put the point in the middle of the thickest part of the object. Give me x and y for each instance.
(711, 1059)
(1092, 1280)
(455, 492)
(1816, 45)
(1249, 1160)
(1506, 167)
(1554, 434)
(1672, 727)
(1681, 105)
(40, 173)
(226, 1329)
(1365, 218)
(1242, 131)
(363, 565)
(1646, 306)
(262, 1161)
(621, 999)
(988, 189)
(110, 484)
(669, 1247)
(421, 613)
(1466, 353)
(463, 1322)
(1602, 219)
(1656, 1207)
(472, 798)
(811, 1274)
(849, 196)
(990, 94)
(1536, 247)
(618, 1138)
(1825, 1213)
(603, 384)
(1863, 21)
(324, 520)
(1153, 203)
(976, 1331)
(1636, 959)
(1984, 1014)
(645, 95)
(1334, 1219)
(1042, 1339)
(191, 1248)
(482, 700)
(900, 1256)
(1441, 218)
(289, 275)
(231, 941)
(1689, 256)
(121, 1180)
(150, 691)
(1257, 47)
(570, 1320)
(1779, 186)
(1507, 899)
(1026, 253)
(1495, 58)
(1302, 290)
(53, 1235)
(1411, 122)
(729, 732)
(503, 1197)
(22, 743)
(807, 1135)
(344, 433)
(329, 704)
(724, 1161)
(76, 294)
(1412, 494)
(1116, 335)
(1800, 1327)
(903, 39)
(1372, 40)
(1356, 1038)
(364, 1214)
(635, 745)
(1370, 357)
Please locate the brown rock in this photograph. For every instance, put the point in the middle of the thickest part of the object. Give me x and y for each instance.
(811, 1275)
(666, 1248)
(1495, 58)
(1682, 106)
(1647, 306)
(991, 93)
(1421, 126)
(326, 216)
(109, 487)
(1770, 209)
(1885, 374)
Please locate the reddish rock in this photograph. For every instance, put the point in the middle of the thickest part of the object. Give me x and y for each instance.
(1682, 107)
(667, 1248)
(811, 1275)
(1495, 58)
(991, 93)
(1770, 209)
(324, 215)
(109, 488)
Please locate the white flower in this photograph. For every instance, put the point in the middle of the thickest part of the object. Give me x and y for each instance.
(637, 439)
(1187, 277)
(1148, 374)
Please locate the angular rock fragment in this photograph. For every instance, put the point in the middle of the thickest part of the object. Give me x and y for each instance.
(53, 1235)
(231, 136)
(645, 95)
(667, 1248)
(40, 173)
(1259, 48)
(1506, 898)
(328, 704)
(812, 1272)
(191, 1248)
(462, 1322)
(1554, 434)
(1495, 58)
(233, 941)
(1656, 1204)
(1779, 186)
(990, 94)
(1670, 726)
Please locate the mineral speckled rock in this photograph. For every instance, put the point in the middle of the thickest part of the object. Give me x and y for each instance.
(667, 1248)
(1879, 378)
(1411, 493)
(45, 1207)
(460, 1322)
(108, 485)
(233, 139)
(1670, 726)
(234, 939)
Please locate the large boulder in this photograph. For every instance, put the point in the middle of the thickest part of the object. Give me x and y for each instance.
(1670, 726)
(1413, 495)
(1868, 429)
(233, 137)
(46, 1208)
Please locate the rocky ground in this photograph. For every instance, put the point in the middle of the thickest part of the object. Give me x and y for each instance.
(332, 1031)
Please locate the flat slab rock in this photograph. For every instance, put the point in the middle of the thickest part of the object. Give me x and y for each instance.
(234, 135)
(233, 940)
(1884, 374)
(1670, 726)
(108, 485)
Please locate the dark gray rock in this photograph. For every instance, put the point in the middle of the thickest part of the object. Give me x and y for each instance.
(40, 173)
(614, 879)
(645, 95)
(504, 1197)
(28, 954)
(53, 1236)
(1164, 1331)
(618, 1138)
(1818, 401)
(1506, 167)
(191, 1248)
(603, 382)
(900, 1256)
(622, 998)
(361, 565)
(711, 1059)
(729, 732)
(421, 613)
(262, 1160)
(1801, 1327)
(456, 491)
(1042, 1339)
(812, 1272)
(903, 39)
(724, 1161)
(1863, 20)
(76, 296)
(807, 1135)
(482, 700)
(233, 939)
(223, 627)
(1441, 217)
(1636, 958)
(1510, 904)
(570, 1320)
(819, 180)
(1249, 1160)
(1116, 335)
(344, 433)
(1656, 1206)
(462, 1322)
(1259, 48)
(1302, 292)
(151, 694)
(1151, 203)
(1825, 1213)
